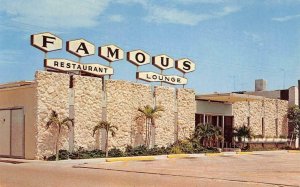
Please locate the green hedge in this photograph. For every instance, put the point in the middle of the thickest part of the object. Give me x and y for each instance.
(176, 148)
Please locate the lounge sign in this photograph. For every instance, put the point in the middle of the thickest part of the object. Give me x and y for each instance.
(48, 42)
(155, 77)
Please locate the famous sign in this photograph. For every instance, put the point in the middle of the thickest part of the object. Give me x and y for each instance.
(81, 48)
(111, 53)
(68, 65)
(138, 57)
(185, 65)
(163, 62)
(46, 42)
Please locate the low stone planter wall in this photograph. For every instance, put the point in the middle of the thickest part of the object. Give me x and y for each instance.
(263, 140)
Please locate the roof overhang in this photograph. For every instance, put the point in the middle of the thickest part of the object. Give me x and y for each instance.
(228, 97)
(16, 84)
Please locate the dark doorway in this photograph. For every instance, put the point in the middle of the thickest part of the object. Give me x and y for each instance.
(228, 130)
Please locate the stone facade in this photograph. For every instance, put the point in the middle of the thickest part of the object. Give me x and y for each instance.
(84, 98)
(186, 107)
(51, 94)
(165, 124)
(123, 100)
(267, 110)
(87, 110)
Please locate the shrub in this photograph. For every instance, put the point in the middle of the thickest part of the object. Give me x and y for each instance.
(136, 151)
(159, 150)
(176, 150)
(115, 152)
(62, 154)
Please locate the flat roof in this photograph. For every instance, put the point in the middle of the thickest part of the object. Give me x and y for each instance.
(15, 84)
(228, 97)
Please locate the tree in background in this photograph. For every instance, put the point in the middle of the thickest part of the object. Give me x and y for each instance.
(59, 124)
(149, 114)
(294, 120)
(108, 128)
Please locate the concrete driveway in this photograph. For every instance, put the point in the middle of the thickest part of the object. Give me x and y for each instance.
(265, 169)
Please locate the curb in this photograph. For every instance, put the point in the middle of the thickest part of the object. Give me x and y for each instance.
(293, 151)
(178, 156)
(125, 159)
(214, 154)
(244, 153)
(152, 158)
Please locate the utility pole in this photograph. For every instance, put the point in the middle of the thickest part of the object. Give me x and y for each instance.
(299, 107)
(299, 93)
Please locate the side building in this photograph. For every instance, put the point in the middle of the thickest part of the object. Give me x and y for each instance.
(265, 111)
(266, 117)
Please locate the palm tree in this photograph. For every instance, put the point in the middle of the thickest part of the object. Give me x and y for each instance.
(60, 124)
(294, 119)
(242, 133)
(108, 128)
(207, 133)
(149, 114)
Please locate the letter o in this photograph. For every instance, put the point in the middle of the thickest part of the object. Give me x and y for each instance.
(142, 57)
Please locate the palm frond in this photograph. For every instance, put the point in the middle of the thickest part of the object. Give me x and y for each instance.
(97, 127)
(66, 122)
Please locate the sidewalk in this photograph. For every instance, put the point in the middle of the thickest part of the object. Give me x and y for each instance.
(145, 158)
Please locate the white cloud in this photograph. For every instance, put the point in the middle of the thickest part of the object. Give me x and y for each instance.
(116, 18)
(286, 18)
(255, 38)
(54, 14)
(172, 15)
(200, 1)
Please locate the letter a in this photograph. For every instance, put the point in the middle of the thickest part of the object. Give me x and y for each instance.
(82, 47)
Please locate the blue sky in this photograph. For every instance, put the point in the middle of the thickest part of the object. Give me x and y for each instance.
(232, 42)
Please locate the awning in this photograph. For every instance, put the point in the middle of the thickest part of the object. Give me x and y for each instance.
(15, 84)
(228, 97)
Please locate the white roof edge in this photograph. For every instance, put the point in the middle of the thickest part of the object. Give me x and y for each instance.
(16, 84)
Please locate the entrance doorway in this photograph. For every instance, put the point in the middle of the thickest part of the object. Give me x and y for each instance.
(224, 122)
(12, 133)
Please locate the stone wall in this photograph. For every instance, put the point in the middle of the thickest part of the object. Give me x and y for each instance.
(52, 94)
(123, 100)
(186, 107)
(120, 106)
(257, 110)
(87, 111)
(165, 124)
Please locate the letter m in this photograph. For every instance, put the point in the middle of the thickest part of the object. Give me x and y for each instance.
(111, 53)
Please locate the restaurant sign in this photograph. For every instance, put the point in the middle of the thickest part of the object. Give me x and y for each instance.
(68, 65)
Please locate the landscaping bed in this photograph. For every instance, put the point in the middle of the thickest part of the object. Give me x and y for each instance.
(183, 147)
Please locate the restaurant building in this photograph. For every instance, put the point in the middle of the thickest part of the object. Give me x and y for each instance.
(25, 108)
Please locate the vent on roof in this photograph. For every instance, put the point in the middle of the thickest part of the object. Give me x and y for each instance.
(260, 85)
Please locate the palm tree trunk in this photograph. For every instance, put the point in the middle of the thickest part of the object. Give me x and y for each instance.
(56, 145)
(299, 139)
(106, 144)
(150, 128)
(146, 136)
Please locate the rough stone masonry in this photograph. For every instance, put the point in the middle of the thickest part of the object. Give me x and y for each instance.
(121, 100)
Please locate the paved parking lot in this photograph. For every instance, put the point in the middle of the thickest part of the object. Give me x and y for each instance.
(265, 169)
